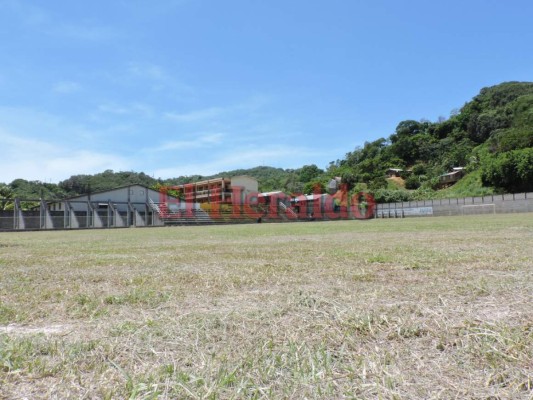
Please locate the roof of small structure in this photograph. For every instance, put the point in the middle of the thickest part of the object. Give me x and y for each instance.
(267, 194)
(451, 173)
(309, 197)
(107, 190)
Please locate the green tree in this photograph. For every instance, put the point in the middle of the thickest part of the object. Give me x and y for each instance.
(7, 196)
(309, 172)
(511, 171)
(315, 187)
(412, 182)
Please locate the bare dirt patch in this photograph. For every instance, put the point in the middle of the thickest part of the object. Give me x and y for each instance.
(398, 181)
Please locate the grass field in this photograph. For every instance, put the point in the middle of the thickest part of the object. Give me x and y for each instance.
(391, 309)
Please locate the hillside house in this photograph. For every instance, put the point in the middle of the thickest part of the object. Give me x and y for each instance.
(452, 177)
(394, 172)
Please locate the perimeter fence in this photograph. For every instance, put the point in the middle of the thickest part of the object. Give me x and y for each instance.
(30, 214)
(494, 204)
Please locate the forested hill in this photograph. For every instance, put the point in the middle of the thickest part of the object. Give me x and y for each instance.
(491, 137)
(269, 179)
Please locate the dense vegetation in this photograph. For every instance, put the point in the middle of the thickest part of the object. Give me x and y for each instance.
(490, 136)
(290, 180)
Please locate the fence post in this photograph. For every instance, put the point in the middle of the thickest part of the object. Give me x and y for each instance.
(45, 217)
(18, 220)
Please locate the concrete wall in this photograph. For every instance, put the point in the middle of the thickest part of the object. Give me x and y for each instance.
(6, 220)
(508, 203)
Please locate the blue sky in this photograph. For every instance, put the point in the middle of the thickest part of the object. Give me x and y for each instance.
(183, 87)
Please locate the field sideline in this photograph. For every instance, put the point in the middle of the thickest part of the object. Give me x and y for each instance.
(434, 308)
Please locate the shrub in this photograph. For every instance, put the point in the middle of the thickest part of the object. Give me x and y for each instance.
(511, 171)
(412, 182)
(391, 196)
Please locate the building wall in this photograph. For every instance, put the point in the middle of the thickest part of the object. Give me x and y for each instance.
(208, 191)
(218, 190)
(135, 194)
(241, 186)
(248, 183)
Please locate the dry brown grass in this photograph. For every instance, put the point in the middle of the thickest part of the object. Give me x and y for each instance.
(393, 309)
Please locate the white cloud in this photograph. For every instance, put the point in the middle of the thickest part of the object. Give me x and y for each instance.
(84, 162)
(29, 123)
(27, 13)
(128, 109)
(242, 110)
(66, 87)
(85, 33)
(41, 146)
(196, 116)
(32, 159)
(196, 142)
(241, 157)
(286, 155)
(147, 71)
(39, 18)
(147, 79)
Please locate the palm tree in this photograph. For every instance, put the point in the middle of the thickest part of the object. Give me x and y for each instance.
(6, 197)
